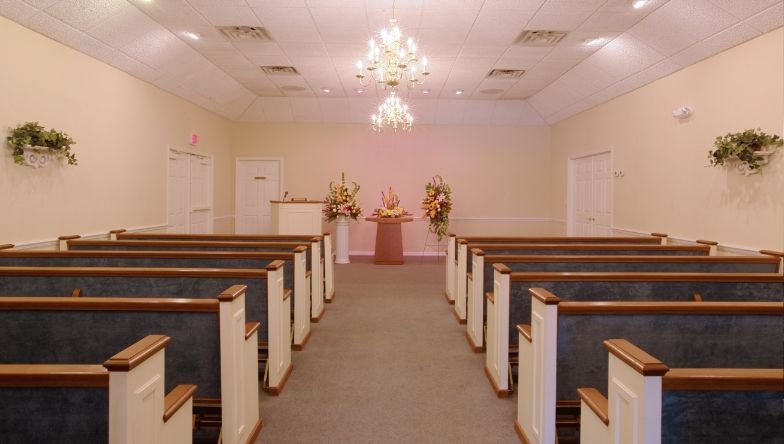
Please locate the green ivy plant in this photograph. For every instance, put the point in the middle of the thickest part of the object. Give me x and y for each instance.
(31, 134)
(742, 146)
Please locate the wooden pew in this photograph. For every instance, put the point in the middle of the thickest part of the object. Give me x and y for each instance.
(327, 252)
(452, 248)
(293, 271)
(316, 292)
(213, 345)
(561, 350)
(510, 303)
(83, 403)
(265, 300)
(650, 402)
(482, 266)
(465, 267)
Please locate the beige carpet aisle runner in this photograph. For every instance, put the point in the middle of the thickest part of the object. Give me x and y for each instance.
(388, 363)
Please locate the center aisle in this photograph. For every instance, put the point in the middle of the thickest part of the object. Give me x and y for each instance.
(388, 363)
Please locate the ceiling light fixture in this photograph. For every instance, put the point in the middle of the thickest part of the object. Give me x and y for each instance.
(393, 114)
(359, 90)
(426, 91)
(326, 90)
(459, 92)
(390, 62)
(637, 4)
(598, 41)
(191, 35)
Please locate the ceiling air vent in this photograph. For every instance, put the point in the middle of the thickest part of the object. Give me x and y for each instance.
(540, 38)
(279, 70)
(243, 33)
(505, 73)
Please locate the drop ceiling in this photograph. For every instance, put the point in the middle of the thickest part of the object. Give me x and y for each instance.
(609, 48)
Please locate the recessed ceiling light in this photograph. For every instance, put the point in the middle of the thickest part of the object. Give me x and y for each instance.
(459, 92)
(191, 35)
(637, 4)
(598, 41)
(426, 91)
(359, 90)
(326, 90)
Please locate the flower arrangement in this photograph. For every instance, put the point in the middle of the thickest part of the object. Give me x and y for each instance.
(342, 202)
(437, 205)
(390, 206)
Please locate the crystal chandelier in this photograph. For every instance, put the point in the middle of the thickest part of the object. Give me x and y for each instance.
(391, 63)
(393, 114)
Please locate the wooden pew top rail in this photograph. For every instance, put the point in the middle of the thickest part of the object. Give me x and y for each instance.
(215, 237)
(118, 271)
(596, 402)
(656, 239)
(635, 357)
(163, 254)
(45, 303)
(643, 277)
(53, 375)
(512, 258)
(724, 379)
(136, 354)
(599, 247)
(157, 243)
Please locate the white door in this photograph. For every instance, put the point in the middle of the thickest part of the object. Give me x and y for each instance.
(177, 193)
(257, 183)
(590, 212)
(200, 196)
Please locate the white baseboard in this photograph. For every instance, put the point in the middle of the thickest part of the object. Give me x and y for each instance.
(405, 253)
(52, 244)
(725, 248)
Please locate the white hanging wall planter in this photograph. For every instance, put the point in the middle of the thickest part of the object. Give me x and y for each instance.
(763, 157)
(36, 156)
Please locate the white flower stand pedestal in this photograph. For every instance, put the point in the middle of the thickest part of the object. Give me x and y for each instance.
(341, 240)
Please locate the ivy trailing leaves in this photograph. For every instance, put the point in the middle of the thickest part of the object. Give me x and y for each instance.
(31, 135)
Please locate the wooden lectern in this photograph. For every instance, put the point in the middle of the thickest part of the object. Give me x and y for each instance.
(389, 239)
(297, 217)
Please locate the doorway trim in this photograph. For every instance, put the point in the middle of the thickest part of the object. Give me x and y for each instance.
(571, 183)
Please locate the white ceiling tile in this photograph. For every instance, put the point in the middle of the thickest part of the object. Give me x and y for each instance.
(276, 3)
(84, 14)
(41, 4)
(563, 20)
(498, 26)
(450, 112)
(478, 112)
(122, 29)
(63, 33)
(158, 49)
(284, 16)
(335, 3)
(681, 23)
(715, 44)
(768, 19)
(624, 56)
(16, 10)
(529, 5)
(492, 51)
(529, 116)
(277, 109)
(254, 113)
(222, 15)
(333, 17)
(362, 108)
(305, 109)
(408, 20)
(507, 112)
(424, 111)
(452, 4)
(301, 34)
(304, 50)
(745, 8)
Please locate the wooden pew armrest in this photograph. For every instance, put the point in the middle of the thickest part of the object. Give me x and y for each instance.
(308, 273)
(724, 379)
(525, 330)
(287, 293)
(176, 399)
(490, 296)
(137, 353)
(250, 328)
(596, 402)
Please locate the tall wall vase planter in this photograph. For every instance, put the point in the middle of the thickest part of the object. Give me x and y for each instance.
(341, 238)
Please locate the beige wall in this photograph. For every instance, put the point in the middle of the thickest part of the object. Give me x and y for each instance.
(667, 186)
(495, 172)
(122, 127)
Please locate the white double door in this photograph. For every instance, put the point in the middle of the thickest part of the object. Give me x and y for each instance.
(591, 195)
(189, 193)
(257, 183)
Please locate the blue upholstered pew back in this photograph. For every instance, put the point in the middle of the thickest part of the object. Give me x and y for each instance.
(56, 260)
(84, 336)
(144, 286)
(720, 417)
(678, 340)
(67, 414)
(520, 299)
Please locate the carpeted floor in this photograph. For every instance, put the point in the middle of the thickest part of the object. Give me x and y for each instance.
(388, 363)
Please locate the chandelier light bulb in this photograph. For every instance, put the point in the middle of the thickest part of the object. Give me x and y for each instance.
(392, 113)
